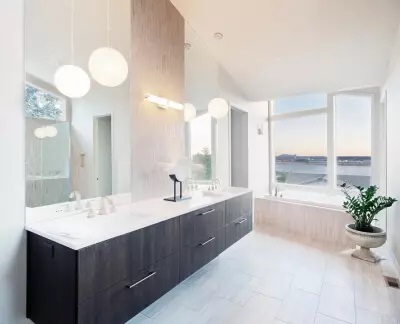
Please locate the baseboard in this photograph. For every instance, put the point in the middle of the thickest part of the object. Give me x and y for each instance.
(395, 263)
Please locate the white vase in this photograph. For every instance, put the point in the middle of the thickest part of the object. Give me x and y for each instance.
(366, 241)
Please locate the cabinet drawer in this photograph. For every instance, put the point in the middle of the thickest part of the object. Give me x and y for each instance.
(124, 300)
(193, 258)
(200, 224)
(153, 243)
(239, 207)
(102, 265)
(237, 229)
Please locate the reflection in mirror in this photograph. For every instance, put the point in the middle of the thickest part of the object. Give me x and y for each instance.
(201, 86)
(75, 144)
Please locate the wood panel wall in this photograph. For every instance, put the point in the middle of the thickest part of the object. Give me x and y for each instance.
(157, 67)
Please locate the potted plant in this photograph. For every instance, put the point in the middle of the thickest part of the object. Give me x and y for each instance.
(363, 205)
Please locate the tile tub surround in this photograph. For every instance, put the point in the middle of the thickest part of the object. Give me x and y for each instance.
(316, 279)
(78, 231)
(311, 222)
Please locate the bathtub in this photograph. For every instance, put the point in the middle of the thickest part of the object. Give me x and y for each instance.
(314, 216)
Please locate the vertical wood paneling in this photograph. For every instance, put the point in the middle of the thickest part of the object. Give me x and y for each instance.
(157, 67)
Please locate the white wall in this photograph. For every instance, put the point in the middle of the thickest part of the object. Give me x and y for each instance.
(392, 87)
(258, 170)
(12, 182)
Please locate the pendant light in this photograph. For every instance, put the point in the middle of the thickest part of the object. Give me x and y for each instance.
(218, 108)
(189, 112)
(71, 80)
(107, 65)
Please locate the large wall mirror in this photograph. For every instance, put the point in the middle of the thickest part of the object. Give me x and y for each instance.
(201, 85)
(76, 144)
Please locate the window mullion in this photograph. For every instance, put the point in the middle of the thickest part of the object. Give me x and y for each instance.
(331, 158)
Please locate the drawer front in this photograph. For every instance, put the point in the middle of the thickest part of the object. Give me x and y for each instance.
(237, 229)
(193, 258)
(102, 265)
(152, 244)
(200, 224)
(126, 299)
(239, 207)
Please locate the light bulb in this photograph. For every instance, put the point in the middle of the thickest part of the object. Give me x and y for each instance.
(218, 108)
(51, 131)
(189, 112)
(40, 133)
(72, 81)
(108, 67)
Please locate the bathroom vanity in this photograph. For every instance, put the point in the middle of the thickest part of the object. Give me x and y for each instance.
(105, 270)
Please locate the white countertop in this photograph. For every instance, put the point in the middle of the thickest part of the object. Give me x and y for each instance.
(76, 231)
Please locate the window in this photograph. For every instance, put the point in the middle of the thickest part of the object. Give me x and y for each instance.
(201, 148)
(300, 103)
(43, 105)
(321, 141)
(301, 150)
(353, 139)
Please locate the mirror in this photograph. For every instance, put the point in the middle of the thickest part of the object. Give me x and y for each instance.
(75, 144)
(201, 86)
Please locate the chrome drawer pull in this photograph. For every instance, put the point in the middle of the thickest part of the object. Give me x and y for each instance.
(207, 212)
(241, 221)
(208, 241)
(140, 281)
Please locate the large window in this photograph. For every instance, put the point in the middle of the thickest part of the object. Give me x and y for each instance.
(300, 150)
(322, 140)
(201, 148)
(353, 139)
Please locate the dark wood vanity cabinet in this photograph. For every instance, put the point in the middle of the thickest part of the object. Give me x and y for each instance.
(112, 281)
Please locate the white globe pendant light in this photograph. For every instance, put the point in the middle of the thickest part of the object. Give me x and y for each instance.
(71, 80)
(40, 133)
(218, 108)
(107, 65)
(189, 112)
(51, 131)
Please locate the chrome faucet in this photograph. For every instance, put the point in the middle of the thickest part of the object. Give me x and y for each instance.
(78, 197)
(103, 209)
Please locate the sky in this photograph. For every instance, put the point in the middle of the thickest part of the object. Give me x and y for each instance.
(308, 135)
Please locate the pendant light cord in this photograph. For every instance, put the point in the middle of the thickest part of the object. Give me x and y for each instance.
(72, 30)
(108, 23)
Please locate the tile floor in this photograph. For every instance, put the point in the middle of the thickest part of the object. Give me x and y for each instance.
(267, 278)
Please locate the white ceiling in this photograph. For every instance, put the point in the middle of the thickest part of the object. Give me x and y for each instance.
(276, 48)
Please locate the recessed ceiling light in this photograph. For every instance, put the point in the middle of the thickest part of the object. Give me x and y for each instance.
(218, 36)
(188, 46)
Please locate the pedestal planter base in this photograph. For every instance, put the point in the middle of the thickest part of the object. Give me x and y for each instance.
(366, 254)
(366, 241)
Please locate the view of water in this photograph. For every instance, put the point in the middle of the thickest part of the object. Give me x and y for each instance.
(315, 174)
(296, 167)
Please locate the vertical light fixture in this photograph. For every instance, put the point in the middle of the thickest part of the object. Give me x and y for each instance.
(71, 80)
(107, 65)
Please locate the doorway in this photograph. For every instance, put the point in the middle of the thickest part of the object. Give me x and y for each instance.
(103, 155)
(239, 149)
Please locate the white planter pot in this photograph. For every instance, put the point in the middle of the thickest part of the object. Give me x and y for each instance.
(366, 241)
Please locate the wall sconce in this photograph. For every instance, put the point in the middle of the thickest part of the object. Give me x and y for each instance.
(260, 128)
(163, 102)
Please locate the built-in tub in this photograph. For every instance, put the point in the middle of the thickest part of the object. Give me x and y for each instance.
(322, 219)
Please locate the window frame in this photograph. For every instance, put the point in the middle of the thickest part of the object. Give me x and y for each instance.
(331, 188)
